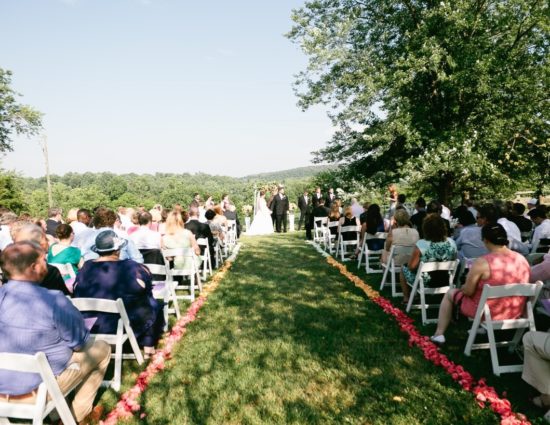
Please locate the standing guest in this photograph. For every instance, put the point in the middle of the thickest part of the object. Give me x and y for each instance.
(499, 267)
(55, 328)
(81, 228)
(542, 229)
(317, 196)
(201, 231)
(105, 219)
(418, 218)
(109, 277)
(401, 199)
(62, 252)
(54, 220)
(331, 197)
(303, 202)
(144, 237)
(401, 234)
(435, 246)
(392, 189)
(25, 232)
(536, 366)
(6, 221)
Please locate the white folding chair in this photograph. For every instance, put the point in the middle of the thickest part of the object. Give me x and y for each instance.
(418, 286)
(372, 257)
(331, 238)
(124, 333)
(191, 272)
(48, 396)
(391, 268)
(319, 228)
(484, 320)
(165, 290)
(231, 235)
(343, 245)
(206, 260)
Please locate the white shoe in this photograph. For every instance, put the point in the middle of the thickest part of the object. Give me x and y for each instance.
(438, 339)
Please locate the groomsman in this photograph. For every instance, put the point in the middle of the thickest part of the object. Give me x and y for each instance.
(303, 202)
(280, 207)
(330, 197)
(317, 196)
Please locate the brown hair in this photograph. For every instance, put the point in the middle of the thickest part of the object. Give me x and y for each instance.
(63, 231)
(434, 228)
(104, 217)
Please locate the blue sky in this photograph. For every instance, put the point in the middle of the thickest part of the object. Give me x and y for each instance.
(159, 86)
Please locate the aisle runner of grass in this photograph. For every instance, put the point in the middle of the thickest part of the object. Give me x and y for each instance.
(287, 339)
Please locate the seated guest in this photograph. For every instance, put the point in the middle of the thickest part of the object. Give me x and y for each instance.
(435, 207)
(144, 237)
(517, 217)
(36, 319)
(109, 277)
(499, 267)
(134, 226)
(62, 252)
(81, 227)
(363, 215)
(215, 228)
(220, 218)
(469, 243)
(177, 236)
(465, 219)
(541, 270)
(470, 205)
(418, 217)
(321, 210)
(54, 219)
(334, 215)
(402, 234)
(231, 214)
(512, 231)
(23, 231)
(536, 366)
(72, 216)
(156, 217)
(542, 229)
(373, 225)
(435, 246)
(105, 219)
(6, 221)
(201, 231)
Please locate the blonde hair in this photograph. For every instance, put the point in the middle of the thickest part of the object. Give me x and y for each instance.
(402, 218)
(174, 222)
(348, 212)
(72, 215)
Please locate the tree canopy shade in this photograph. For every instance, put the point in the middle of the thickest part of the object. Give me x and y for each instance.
(449, 95)
(14, 116)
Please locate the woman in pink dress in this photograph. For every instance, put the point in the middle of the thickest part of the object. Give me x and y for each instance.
(500, 267)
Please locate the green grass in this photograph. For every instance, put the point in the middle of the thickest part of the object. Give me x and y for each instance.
(287, 339)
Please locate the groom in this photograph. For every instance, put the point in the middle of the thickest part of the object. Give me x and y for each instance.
(279, 206)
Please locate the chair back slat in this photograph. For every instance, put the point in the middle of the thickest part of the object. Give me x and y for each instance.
(433, 266)
(95, 304)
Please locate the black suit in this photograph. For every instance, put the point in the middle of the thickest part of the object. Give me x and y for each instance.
(280, 207)
(202, 230)
(302, 205)
(315, 199)
(232, 215)
(329, 200)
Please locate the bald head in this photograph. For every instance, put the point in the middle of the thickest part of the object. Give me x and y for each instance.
(23, 261)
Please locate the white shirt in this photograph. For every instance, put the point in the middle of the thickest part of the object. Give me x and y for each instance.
(514, 236)
(542, 231)
(445, 213)
(145, 238)
(5, 237)
(81, 234)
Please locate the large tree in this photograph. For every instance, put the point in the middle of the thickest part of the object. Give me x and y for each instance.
(14, 117)
(449, 94)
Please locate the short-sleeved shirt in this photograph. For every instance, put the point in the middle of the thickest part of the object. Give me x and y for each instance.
(55, 327)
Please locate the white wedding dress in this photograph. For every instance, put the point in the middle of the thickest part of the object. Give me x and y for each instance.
(262, 223)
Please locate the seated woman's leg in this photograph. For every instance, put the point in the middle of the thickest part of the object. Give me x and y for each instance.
(404, 287)
(445, 312)
(536, 364)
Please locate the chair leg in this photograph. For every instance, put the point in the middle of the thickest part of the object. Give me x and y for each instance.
(493, 347)
(385, 276)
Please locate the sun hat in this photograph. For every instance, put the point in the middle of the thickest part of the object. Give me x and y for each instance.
(532, 201)
(107, 241)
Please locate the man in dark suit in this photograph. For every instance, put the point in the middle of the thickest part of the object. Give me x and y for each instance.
(330, 198)
(418, 218)
(317, 196)
(321, 210)
(201, 230)
(54, 220)
(280, 207)
(303, 202)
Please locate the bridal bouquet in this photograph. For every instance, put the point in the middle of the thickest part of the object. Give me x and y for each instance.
(292, 207)
(247, 210)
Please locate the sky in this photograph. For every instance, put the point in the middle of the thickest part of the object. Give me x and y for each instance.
(151, 86)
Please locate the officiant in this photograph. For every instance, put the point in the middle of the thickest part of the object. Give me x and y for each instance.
(280, 207)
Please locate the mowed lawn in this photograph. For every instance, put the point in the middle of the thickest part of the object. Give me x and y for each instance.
(286, 339)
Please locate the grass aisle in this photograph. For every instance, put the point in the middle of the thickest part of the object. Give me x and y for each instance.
(287, 339)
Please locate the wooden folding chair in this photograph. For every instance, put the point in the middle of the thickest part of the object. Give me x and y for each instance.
(124, 333)
(419, 287)
(48, 395)
(372, 257)
(191, 272)
(391, 268)
(484, 320)
(165, 290)
(205, 257)
(342, 245)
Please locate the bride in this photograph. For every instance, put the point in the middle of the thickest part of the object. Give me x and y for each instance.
(263, 223)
